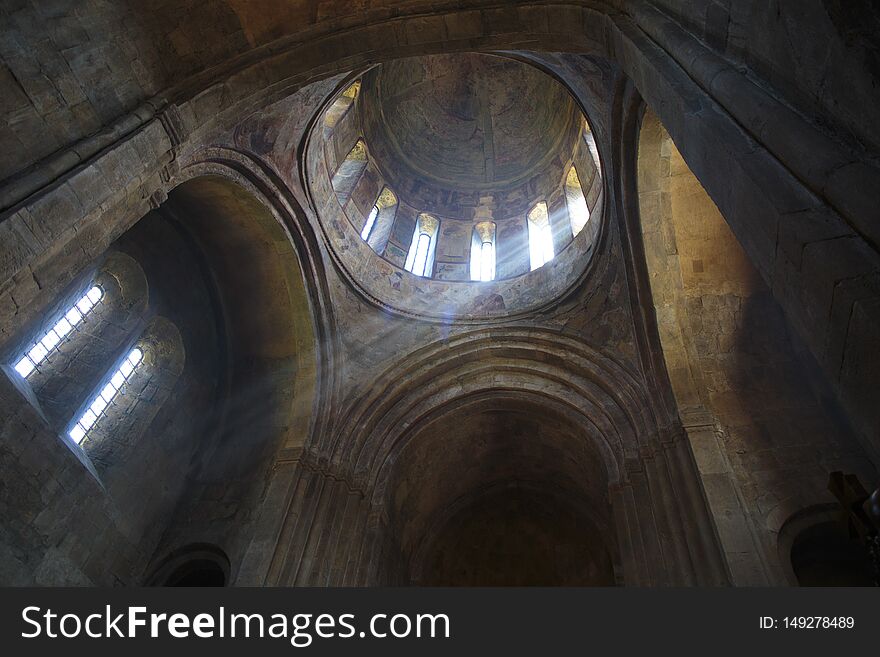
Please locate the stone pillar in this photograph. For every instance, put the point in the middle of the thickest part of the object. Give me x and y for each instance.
(741, 549)
(663, 530)
(257, 559)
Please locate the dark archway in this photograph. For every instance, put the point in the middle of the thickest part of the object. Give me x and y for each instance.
(518, 535)
(265, 400)
(515, 495)
(403, 474)
(198, 572)
(825, 555)
(194, 565)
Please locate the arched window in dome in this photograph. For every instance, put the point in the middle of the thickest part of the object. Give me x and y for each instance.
(349, 172)
(590, 141)
(68, 323)
(483, 252)
(370, 222)
(578, 212)
(380, 219)
(540, 236)
(341, 105)
(115, 386)
(420, 259)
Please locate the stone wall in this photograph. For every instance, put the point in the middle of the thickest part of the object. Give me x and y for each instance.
(763, 424)
(817, 54)
(68, 71)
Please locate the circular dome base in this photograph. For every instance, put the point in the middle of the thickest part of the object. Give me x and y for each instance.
(452, 186)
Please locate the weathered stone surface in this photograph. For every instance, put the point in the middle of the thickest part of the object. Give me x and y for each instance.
(301, 389)
(760, 435)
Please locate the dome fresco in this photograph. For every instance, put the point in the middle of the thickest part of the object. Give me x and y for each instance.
(470, 121)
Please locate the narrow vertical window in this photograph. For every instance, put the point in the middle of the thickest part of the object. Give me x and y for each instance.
(115, 386)
(62, 328)
(349, 172)
(381, 214)
(590, 141)
(483, 252)
(420, 259)
(578, 212)
(540, 236)
(341, 105)
(371, 221)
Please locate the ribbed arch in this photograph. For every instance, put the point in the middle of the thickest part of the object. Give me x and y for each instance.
(609, 397)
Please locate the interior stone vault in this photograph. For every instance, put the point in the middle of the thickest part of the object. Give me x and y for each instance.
(447, 293)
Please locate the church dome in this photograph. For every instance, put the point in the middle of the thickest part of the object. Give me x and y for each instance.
(457, 168)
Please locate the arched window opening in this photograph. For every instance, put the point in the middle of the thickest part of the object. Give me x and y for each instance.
(420, 260)
(421, 256)
(349, 172)
(115, 386)
(68, 323)
(384, 208)
(590, 141)
(578, 212)
(371, 221)
(483, 252)
(353, 90)
(540, 236)
(193, 565)
(199, 572)
(341, 105)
